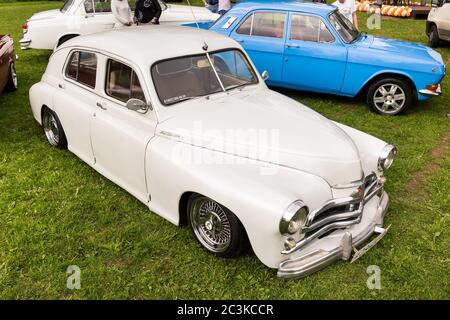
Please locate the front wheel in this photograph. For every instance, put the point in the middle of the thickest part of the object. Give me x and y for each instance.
(53, 129)
(12, 83)
(433, 37)
(389, 96)
(216, 228)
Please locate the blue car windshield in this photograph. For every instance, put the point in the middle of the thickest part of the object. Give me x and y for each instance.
(191, 77)
(344, 27)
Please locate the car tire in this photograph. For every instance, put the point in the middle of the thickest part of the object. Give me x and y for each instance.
(12, 83)
(216, 228)
(389, 96)
(53, 129)
(433, 36)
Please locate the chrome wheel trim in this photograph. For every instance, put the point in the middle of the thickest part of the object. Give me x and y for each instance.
(51, 128)
(14, 75)
(389, 98)
(210, 224)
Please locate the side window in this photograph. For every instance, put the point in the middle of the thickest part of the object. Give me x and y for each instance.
(308, 28)
(101, 6)
(89, 6)
(264, 24)
(122, 82)
(82, 67)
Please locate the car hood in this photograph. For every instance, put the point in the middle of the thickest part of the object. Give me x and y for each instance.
(267, 127)
(50, 14)
(398, 47)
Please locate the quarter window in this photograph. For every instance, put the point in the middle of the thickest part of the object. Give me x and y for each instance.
(264, 24)
(308, 28)
(82, 68)
(122, 82)
(97, 6)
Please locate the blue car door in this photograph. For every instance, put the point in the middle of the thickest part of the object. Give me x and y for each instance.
(262, 35)
(314, 59)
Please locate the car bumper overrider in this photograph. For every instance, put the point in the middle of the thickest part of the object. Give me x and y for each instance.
(339, 241)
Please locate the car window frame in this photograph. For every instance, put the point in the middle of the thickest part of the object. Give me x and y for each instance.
(76, 82)
(251, 13)
(321, 19)
(93, 7)
(257, 75)
(105, 81)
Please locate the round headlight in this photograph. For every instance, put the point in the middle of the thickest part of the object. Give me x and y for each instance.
(386, 157)
(294, 218)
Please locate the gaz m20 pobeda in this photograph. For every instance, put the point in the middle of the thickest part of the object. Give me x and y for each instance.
(190, 129)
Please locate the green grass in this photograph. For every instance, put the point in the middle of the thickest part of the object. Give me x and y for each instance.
(56, 211)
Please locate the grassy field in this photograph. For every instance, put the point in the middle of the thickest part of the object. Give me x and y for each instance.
(56, 211)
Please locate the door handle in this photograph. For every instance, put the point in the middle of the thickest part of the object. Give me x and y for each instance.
(240, 40)
(102, 105)
(61, 86)
(293, 46)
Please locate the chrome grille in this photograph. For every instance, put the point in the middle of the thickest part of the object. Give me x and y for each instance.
(338, 213)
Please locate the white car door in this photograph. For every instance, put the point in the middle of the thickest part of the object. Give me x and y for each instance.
(120, 136)
(74, 101)
(98, 16)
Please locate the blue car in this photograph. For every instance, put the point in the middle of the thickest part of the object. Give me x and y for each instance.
(312, 47)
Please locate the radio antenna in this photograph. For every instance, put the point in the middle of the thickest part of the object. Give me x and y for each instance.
(205, 45)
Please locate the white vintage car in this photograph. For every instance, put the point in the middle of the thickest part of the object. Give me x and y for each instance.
(190, 129)
(49, 29)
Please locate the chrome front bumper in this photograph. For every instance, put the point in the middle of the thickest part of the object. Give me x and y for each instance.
(312, 261)
(430, 93)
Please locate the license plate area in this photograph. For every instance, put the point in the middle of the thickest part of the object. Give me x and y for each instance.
(359, 253)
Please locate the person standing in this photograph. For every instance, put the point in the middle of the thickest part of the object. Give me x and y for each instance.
(147, 11)
(122, 12)
(224, 6)
(348, 9)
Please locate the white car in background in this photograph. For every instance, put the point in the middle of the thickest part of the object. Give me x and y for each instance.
(438, 22)
(190, 129)
(49, 29)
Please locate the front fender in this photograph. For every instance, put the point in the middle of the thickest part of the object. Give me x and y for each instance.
(369, 148)
(255, 192)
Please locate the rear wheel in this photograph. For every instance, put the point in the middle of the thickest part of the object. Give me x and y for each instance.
(12, 83)
(216, 228)
(389, 96)
(433, 36)
(53, 129)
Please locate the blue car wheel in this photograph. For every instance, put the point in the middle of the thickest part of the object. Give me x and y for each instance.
(389, 96)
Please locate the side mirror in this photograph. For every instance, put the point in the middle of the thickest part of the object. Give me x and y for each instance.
(265, 75)
(437, 3)
(138, 105)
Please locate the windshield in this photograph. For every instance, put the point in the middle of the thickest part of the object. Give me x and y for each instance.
(197, 76)
(67, 4)
(345, 28)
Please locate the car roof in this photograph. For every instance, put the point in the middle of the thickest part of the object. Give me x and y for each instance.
(290, 5)
(148, 44)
